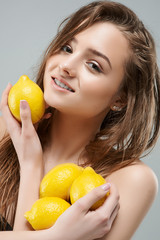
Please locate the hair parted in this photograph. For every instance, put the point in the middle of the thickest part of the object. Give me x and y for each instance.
(125, 135)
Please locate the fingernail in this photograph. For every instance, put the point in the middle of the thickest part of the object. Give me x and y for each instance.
(106, 186)
(9, 85)
(23, 104)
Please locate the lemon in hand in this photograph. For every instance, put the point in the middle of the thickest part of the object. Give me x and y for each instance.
(26, 89)
(87, 181)
(45, 212)
(57, 182)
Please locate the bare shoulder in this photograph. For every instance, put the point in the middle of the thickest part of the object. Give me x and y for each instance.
(137, 185)
(139, 176)
(3, 129)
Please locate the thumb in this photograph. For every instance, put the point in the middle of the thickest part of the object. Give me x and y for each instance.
(25, 114)
(93, 196)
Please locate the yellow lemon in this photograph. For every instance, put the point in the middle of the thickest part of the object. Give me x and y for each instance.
(87, 181)
(57, 182)
(45, 212)
(26, 89)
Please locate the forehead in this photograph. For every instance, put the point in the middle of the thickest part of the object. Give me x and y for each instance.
(106, 38)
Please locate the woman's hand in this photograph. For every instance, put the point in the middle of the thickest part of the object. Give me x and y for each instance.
(78, 222)
(29, 151)
(24, 136)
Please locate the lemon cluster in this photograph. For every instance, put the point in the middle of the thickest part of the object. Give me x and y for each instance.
(62, 186)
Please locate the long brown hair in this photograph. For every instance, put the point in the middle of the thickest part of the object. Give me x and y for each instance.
(124, 134)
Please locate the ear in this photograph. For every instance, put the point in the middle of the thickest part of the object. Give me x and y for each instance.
(119, 103)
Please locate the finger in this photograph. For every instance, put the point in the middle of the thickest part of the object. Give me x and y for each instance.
(47, 115)
(93, 196)
(4, 99)
(25, 115)
(10, 121)
(114, 213)
(111, 202)
(48, 112)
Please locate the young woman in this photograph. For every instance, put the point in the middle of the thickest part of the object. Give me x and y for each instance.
(101, 86)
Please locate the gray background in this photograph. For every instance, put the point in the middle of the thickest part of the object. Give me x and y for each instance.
(26, 29)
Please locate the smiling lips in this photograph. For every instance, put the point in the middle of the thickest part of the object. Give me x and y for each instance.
(62, 84)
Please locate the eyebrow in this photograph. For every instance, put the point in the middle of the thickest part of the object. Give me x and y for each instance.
(97, 53)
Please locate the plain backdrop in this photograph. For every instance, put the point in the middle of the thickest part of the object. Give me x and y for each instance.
(26, 29)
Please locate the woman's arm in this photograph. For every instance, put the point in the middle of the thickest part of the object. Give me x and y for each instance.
(78, 222)
(29, 151)
(31, 168)
(24, 235)
(30, 179)
(137, 185)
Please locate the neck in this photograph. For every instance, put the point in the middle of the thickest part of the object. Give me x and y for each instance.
(69, 136)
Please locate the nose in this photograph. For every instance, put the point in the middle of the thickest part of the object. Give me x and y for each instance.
(67, 69)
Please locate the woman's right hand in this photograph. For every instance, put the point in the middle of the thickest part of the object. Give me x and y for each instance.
(30, 156)
(24, 135)
(78, 222)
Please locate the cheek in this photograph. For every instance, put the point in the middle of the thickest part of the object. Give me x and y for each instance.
(47, 89)
(52, 63)
(45, 83)
(99, 95)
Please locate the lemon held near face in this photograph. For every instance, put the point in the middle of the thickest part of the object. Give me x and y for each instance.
(25, 89)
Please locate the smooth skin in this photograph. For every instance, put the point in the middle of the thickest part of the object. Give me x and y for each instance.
(96, 82)
(78, 215)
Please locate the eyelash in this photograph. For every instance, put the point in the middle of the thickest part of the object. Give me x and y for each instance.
(66, 48)
(95, 67)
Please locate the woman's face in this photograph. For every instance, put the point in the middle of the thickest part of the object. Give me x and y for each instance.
(84, 77)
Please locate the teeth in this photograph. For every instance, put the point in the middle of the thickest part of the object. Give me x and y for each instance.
(62, 85)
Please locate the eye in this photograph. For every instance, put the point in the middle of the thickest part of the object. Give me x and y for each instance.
(94, 67)
(66, 48)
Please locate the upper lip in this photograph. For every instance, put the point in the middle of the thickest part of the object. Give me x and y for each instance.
(63, 81)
